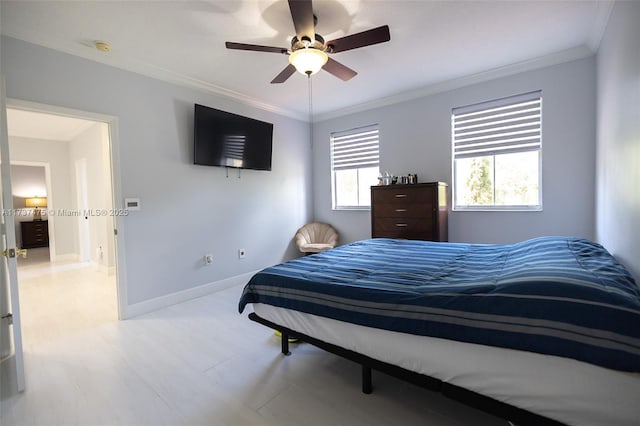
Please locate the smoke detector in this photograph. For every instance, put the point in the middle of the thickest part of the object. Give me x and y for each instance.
(102, 46)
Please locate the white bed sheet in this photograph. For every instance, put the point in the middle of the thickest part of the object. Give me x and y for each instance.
(566, 390)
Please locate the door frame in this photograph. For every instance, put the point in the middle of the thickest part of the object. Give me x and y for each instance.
(117, 200)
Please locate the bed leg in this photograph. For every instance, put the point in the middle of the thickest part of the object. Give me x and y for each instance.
(284, 338)
(366, 380)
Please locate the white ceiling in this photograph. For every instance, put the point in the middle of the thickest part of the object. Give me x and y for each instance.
(433, 43)
(36, 125)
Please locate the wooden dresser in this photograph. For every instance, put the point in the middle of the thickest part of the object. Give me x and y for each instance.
(413, 212)
(35, 234)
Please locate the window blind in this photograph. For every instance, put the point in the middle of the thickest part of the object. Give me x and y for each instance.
(500, 126)
(355, 148)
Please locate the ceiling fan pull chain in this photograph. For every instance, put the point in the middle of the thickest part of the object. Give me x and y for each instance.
(310, 100)
(310, 112)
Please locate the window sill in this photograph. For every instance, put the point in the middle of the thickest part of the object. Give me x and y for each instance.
(498, 209)
(362, 209)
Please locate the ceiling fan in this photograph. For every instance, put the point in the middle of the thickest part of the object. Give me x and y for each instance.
(309, 51)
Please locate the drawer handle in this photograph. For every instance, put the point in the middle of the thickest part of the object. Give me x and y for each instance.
(401, 195)
(401, 225)
(401, 210)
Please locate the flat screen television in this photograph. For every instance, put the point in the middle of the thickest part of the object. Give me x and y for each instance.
(229, 140)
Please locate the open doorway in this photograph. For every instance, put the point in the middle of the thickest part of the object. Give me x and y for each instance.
(30, 186)
(69, 278)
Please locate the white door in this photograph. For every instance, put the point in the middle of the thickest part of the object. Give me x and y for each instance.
(11, 361)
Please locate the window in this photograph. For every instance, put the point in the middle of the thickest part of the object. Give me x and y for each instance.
(354, 167)
(497, 154)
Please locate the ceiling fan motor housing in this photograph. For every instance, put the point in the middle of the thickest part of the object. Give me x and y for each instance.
(306, 43)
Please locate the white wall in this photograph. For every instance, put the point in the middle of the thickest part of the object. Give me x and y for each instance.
(28, 181)
(618, 177)
(415, 137)
(187, 210)
(57, 155)
(92, 146)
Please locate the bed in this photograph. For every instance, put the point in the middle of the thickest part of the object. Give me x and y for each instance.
(541, 331)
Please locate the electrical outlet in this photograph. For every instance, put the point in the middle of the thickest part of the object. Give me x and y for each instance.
(241, 253)
(208, 259)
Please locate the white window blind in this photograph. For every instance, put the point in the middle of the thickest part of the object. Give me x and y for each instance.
(355, 157)
(497, 151)
(354, 149)
(502, 126)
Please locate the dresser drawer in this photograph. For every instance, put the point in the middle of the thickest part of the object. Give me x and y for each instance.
(402, 195)
(413, 224)
(37, 227)
(423, 210)
(405, 228)
(408, 234)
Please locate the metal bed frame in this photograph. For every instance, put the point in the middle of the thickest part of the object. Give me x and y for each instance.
(473, 399)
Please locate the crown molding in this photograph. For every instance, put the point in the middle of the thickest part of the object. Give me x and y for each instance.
(113, 59)
(148, 70)
(568, 55)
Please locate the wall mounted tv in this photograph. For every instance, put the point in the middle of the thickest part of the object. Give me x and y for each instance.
(229, 140)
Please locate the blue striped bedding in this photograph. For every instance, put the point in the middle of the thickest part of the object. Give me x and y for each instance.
(552, 295)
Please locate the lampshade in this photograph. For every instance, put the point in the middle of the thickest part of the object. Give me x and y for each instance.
(35, 202)
(308, 61)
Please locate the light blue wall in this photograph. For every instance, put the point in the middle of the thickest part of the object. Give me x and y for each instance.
(618, 195)
(187, 210)
(415, 137)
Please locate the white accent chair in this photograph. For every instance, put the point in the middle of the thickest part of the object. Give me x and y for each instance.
(316, 237)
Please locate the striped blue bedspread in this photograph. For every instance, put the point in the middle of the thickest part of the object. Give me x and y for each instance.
(552, 295)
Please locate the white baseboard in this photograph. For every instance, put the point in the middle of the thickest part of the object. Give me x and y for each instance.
(109, 270)
(64, 258)
(151, 305)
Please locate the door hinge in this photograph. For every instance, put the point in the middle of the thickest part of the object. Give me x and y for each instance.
(9, 317)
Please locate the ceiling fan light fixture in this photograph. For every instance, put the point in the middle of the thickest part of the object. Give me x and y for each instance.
(308, 61)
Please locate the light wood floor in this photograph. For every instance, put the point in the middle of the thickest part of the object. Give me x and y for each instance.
(196, 363)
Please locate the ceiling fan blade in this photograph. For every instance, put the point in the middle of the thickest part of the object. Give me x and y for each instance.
(302, 15)
(255, 47)
(341, 71)
(365, 38)
(284, 74)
